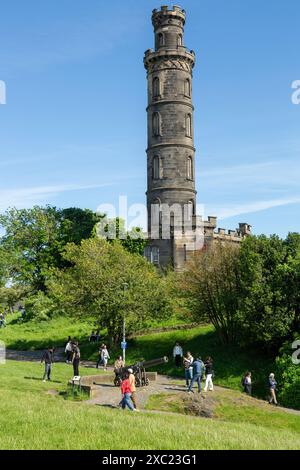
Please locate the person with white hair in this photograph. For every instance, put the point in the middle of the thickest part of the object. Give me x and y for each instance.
(272, 386)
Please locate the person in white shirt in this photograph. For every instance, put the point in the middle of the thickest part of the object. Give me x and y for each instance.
(177, 354)
(104, 357)
(68, 351)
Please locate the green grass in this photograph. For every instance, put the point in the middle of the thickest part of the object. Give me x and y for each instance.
(229, 362)
(37, 419)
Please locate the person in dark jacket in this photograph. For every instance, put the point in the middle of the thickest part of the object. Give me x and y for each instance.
(47, 358)
(272, 387)
(75, 358)
(209, 374)
(198, 368)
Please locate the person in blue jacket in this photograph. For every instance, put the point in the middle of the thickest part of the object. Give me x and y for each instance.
(198, 369)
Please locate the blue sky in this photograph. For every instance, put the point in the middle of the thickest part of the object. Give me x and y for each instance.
(73, 130)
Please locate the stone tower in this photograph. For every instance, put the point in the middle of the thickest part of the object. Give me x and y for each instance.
(170, 151)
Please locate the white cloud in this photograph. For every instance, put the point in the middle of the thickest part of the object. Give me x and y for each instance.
(27, 197)
(233, 210)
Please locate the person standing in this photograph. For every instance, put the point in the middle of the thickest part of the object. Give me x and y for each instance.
(104, 357)
(131, 379)
(188, 368)
(198, 368)
(68, 350)
(126, 394)
(209, 375)
(272, 386)
(99, 361)
(247, 383)
(75, 358)
(47, 358)
(177, 354)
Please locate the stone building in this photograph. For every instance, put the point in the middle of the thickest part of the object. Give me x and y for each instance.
(175, 232)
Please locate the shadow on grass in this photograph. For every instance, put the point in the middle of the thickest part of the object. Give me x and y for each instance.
(39, 379)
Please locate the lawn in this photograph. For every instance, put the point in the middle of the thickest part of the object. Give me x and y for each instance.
(37, 416)
(230, 363)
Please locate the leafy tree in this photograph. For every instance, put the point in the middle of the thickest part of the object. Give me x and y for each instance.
(35, 238)
(114, 229)
(288, 375)
(211, 286)
(267, 316)
(107, 282)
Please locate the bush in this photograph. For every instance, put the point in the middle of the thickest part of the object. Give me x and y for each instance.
(288, 377)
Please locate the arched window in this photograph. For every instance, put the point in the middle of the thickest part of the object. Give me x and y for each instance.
(155, 255)
(189, 168)
(190, 209)
(157, 168)
(187, 87)
(184, 252)
(156, 87)
(156, 124)
(160, 40)
(188, 125)
(179, 40)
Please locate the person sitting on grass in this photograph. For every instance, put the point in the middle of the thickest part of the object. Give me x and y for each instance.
(47, 358)
(272, 387)
(126, 394)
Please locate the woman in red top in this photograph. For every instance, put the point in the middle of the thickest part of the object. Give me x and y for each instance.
(126, 394)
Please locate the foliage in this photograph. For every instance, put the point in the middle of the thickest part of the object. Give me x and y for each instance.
(114, 229)
(11, 296)
(39, 307)
(107, 282)
(288, 376)
(34, 240)
(250, 294)
(211, 286)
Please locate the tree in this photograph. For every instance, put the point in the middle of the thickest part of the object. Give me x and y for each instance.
(211, 286)
(35, 238)
(114, 229)
(267, 314)
(107, 282)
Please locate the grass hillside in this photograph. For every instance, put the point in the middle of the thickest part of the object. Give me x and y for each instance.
(229, 362)
(38, 417)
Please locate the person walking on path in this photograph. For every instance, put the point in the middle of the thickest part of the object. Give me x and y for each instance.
(198, 368)
(209, 375)
(131, 379)
(75, 358)
(104, 357)
(47, 358)
(247, 383)
(68, 350)
(177, 354)
(99, 361)
(126, 394)
(272, 386)
(188, 368)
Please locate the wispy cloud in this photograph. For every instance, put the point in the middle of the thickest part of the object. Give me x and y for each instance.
(233, 210)
(27, 197)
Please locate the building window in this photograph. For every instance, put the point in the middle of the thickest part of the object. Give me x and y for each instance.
(188, 125)
(160, 40)
(190, 209)
(156, 124)
(157, 168)
(179, 40)
(189, 168)
(156, 87)
(155, 255)
(187, 87)
(152, 254)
